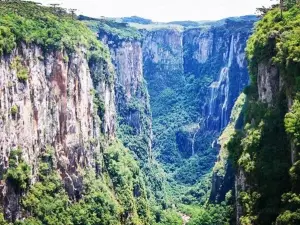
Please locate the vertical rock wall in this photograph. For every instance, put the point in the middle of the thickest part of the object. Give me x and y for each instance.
(219, 52)
(53, 108)
(132, 98)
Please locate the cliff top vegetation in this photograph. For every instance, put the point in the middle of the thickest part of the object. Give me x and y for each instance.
(276, 37)
(119, 30)
(50, 27)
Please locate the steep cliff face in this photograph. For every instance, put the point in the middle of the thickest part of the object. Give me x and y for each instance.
(132, 98)
(54, 107)
(133, 102)
(268, 83)
(164, 72)
(218, 53)
(264, 121)
(163, 59)
(186, 139)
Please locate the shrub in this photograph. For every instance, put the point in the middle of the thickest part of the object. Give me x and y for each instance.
(292, 122)
(8, 40)
(22, 75)
(19, 176)
(14, 110)
(22, 71)
(18, 172)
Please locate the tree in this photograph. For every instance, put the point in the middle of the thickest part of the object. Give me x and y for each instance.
(54, 5)
(72, 11)
(281, 4)
(292, 122)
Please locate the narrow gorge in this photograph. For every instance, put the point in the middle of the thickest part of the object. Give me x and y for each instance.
(126, 121)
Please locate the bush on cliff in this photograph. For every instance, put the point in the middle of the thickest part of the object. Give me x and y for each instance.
(18, 173)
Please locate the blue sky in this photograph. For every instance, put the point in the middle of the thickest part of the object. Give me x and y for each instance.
(164, 10)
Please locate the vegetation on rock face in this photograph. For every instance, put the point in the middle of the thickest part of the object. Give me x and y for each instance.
(290, 200)
(262, 149)
(136, 136)
(48, 203)
(175, 100)
(133, 114)
(175, 106)
(118, 196)
(220, 166)
(22, 71)
(8, 40)
(292, 122)
(18, 173)
(14, 110)
(136, 133)
(128, 183)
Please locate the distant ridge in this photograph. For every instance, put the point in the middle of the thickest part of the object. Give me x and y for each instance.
(136, 19)
(148, 24)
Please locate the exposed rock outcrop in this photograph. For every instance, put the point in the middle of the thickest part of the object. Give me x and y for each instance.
(268, 82)
(240, 185)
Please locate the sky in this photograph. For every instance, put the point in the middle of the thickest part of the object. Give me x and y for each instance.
(163, 10)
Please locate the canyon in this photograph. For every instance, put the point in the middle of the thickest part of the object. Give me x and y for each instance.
(128, 121)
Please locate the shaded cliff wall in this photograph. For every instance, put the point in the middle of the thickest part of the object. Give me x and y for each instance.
(132, 98)
(264, 131)
(266, 107)
(219, 53)
(163, 70)
(223, 173)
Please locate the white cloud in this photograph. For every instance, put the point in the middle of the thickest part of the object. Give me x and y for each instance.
(163, 10)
